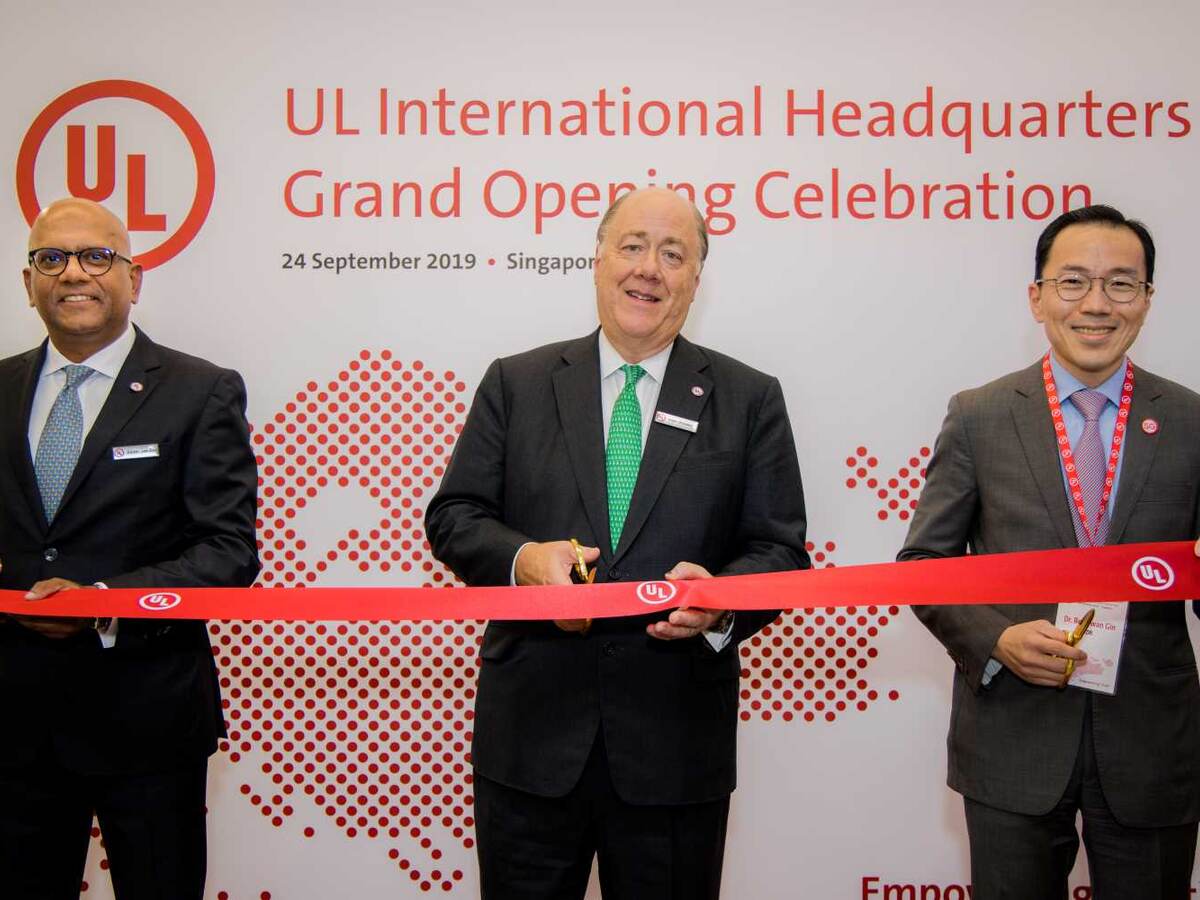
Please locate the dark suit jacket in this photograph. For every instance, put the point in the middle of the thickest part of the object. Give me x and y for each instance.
(995, 485)
(529, 466)
(183, 519)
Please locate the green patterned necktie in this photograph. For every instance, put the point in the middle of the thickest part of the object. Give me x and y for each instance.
(623, 454)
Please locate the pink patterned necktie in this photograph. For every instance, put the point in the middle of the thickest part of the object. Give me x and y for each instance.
(1091, 466)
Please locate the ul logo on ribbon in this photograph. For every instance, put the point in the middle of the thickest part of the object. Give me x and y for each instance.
(656, 593)
(159, 602)
(1153, 573)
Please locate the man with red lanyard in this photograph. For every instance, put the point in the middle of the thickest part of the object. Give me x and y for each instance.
(1082, 448)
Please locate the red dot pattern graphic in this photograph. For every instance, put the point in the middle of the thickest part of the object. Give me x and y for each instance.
(809, 665)
(380, 425)
(898, 494)
(368, 720)
(98, 840)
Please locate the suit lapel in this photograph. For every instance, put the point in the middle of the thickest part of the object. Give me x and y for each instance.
(577, 395)
(1035, 429)
(16, 427)
(141, 366)
(664, 444)
(1137, 456)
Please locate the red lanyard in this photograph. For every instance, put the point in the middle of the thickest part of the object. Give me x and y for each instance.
(1068, 457)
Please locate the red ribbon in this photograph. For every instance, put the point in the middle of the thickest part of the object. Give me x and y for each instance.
(1134, 572)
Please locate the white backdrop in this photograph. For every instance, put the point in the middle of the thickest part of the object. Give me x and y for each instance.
(870, 323)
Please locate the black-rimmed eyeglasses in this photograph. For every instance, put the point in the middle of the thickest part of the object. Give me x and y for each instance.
(93, 260)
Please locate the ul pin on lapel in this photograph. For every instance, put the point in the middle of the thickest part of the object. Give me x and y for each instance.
(136, 386)
(1150, 426)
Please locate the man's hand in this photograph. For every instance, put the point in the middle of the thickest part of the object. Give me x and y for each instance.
(551, 563)
(1037, 652)
(1197, 548)
(687, 621)
(56, 627)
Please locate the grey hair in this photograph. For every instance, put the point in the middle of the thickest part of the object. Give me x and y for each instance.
(701, 228)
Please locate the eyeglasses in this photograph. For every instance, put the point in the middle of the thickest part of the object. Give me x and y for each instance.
(93, 260)
(1076, 286)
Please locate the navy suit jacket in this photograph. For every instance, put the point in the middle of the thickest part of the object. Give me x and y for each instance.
(182, 519)
(529, 466)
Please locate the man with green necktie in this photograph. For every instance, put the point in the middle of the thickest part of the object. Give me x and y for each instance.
(616, 738)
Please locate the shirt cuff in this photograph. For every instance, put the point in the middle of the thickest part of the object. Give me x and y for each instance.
(720, 638)
(512, 572)
(106, 628)
(990, 671)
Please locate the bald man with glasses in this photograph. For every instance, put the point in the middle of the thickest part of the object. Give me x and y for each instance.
(123, 464)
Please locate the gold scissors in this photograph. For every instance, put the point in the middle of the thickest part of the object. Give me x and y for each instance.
(586, 575)
(1075, 637)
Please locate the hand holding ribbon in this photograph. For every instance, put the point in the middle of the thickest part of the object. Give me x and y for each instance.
(686, 621)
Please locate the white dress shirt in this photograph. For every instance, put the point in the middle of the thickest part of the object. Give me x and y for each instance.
(93, 393)
(612, 382)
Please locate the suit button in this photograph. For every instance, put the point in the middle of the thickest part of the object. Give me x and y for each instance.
(614, 574)
(50, 554)
(610, 649)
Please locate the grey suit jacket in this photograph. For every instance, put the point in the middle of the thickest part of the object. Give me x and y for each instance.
(995, 485)
(529, 466)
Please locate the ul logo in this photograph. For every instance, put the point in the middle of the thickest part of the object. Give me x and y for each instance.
(93, 170)
(655, 593)
(1153, 573)
(159, 602)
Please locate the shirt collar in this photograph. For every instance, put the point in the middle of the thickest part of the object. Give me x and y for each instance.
(1068, 384)
(611, 361)
(106, 361)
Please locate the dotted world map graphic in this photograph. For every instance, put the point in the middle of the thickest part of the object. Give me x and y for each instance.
(371, 721)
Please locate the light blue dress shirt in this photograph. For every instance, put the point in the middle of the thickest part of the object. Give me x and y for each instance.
(1067, 385)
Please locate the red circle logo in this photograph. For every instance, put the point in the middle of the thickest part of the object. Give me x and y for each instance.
(160, 601)
(1152, 573)
(656, 593)
(144, 93)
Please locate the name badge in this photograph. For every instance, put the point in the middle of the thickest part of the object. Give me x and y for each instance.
(1102, 643)
(676, 421)
(135, 451)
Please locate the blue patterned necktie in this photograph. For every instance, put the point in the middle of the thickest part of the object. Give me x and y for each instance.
(623, 454)
(61, 440)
